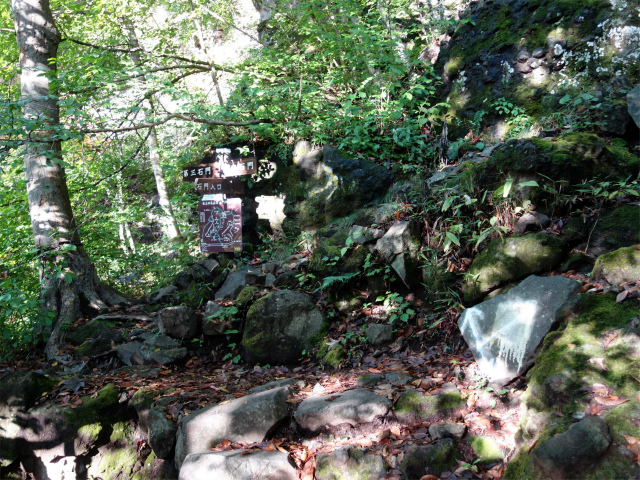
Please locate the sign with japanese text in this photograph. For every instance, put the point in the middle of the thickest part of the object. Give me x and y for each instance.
(225, 186)
(205, 170)
(220, 224)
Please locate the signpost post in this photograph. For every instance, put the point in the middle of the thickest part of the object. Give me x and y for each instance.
(219, 217)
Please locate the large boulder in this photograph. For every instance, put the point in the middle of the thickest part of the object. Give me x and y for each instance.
(512, 258)
(323, 185)
(622, 265)
(352, 407)
(248, 419)
(279, 326)
(238, 465)
(19, 392)
(505, 332)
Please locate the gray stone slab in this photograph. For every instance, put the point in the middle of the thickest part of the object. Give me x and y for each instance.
(352, 407)
(247, 419)
(234, 282)
(505, 332)
(238, 465)
(350, 463)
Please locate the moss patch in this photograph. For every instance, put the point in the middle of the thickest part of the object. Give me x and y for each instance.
(487, 449)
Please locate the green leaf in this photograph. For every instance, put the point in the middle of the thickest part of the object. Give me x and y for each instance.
(453, 239)
(530, 183)
(507, 188)
(68, 277)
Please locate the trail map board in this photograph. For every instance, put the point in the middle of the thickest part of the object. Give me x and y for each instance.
(220, 224)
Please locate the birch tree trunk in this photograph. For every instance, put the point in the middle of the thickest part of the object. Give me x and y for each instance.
(168, 220)
(68, 278)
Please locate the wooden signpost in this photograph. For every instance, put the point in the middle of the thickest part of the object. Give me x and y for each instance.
(220, 218)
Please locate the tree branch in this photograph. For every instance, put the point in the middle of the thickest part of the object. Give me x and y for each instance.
(218, 17)
(181, 116)
(124, 165)
(101, 47)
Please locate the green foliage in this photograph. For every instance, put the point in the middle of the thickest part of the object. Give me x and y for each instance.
(516, 117)
(397, 307)
(341, 75)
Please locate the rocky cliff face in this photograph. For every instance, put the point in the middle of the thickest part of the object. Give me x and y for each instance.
(534, 53)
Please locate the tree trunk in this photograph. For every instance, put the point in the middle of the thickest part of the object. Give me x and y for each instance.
(68, 278)
(168, 220)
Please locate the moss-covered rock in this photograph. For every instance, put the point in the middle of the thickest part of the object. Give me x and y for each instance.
(573, 356)
(557, 165)
(329, 261)
(512, 258)
(622, 265)
(487, 449)
(333, 356)
(349, 464)
(118, 458)
(413, 406)
(93, 329)
(434, 459)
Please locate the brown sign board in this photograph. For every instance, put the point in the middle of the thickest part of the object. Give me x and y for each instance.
(220, 224)
(219, 185)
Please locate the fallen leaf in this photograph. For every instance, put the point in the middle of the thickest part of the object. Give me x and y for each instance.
(621, 296)
(610, 401)
(429, 477)
(598, 362)
(395, 431)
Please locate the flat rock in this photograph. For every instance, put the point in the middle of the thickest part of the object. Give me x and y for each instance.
(349, 463)
(575, 450)
(238, 465)
(352, 407)
(505, 332)
(248, 419)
